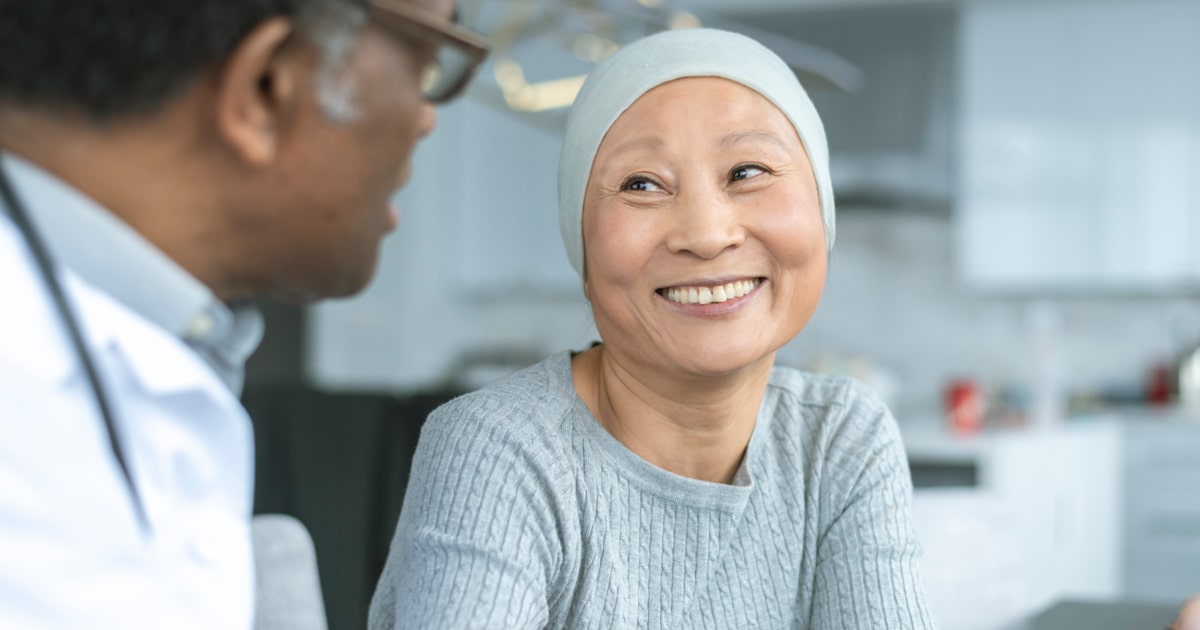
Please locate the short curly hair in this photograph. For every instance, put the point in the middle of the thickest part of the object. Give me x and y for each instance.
(110, 58)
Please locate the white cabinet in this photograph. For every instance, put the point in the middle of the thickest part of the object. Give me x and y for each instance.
(1162, 517)
(1080, 145)
(1097, 508)
(1041, 523)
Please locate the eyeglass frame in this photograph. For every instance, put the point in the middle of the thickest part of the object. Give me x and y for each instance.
(470, 43)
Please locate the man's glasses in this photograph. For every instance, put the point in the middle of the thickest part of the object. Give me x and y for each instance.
(459, 49)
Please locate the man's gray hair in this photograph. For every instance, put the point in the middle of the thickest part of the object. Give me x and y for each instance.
(334, 27)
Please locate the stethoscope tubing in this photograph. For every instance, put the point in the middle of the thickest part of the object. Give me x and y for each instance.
(37, 247)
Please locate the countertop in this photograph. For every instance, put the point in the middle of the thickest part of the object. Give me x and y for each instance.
(927, 436)
(1104, 615)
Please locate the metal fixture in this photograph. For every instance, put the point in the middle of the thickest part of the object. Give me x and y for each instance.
(591, 30)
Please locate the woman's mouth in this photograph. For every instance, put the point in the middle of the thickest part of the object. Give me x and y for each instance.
(710, 294)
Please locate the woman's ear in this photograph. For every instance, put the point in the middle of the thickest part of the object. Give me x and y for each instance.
(257, 88)
(587, 287)
(583, 272)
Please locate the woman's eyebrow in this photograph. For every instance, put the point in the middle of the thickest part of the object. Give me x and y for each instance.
(641, 142)
(753, 134)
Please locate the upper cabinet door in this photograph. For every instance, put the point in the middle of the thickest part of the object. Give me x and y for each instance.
(1080, 145)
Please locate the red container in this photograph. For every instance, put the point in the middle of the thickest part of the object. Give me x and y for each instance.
(1158, 385)
(964, 406)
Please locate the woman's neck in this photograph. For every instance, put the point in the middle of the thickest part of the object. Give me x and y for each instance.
(693, 427)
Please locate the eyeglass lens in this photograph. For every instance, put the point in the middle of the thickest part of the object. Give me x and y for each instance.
(445, 76)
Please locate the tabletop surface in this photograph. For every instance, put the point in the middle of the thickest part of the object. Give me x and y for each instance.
(1081, 615)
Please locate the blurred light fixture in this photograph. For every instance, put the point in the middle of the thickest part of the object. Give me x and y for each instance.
(590, 48)
(600, 38)
(523, 96)
(559, 93)
(546, 95)
(682, 19)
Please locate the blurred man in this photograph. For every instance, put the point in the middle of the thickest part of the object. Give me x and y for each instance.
(161, 161)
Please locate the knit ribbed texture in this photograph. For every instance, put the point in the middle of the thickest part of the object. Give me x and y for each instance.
(523, 512)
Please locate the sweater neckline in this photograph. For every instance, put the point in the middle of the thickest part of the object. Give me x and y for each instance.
(653, 479)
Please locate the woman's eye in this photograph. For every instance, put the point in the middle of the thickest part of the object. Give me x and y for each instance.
(640, 184)
(745, 171)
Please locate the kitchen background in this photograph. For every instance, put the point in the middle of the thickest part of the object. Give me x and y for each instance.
(1018, 187)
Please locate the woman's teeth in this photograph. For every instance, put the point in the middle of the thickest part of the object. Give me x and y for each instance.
(710, 295)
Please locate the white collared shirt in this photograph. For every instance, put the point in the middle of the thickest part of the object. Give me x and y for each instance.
(72, 552)
(111, 256)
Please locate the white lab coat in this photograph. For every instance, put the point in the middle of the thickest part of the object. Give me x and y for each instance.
(72, 554)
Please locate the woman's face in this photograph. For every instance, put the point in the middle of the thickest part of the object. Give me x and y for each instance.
(704, 245)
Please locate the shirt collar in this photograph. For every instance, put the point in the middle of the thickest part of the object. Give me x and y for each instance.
(115, 258)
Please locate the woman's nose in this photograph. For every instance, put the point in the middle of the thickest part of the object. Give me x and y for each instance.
(707, 224)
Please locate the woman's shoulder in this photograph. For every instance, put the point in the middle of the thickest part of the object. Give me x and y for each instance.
(827, 413)
(531, 400)
(507, 434)
(833, 393)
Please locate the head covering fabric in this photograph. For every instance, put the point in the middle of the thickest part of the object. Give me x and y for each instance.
(652, 61)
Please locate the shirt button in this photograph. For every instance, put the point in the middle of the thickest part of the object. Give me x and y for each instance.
(202, 325)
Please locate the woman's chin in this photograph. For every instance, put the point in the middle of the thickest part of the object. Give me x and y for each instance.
(723, 362)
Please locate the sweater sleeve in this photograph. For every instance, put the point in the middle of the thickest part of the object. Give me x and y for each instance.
(867, 557)
(477, 544)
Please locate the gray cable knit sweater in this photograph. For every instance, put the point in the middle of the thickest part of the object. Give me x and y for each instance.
(522, 511)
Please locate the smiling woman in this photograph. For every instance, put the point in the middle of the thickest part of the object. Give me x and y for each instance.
(671, 476)
(702, 186)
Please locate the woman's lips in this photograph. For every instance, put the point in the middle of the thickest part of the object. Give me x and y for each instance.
(715, 293)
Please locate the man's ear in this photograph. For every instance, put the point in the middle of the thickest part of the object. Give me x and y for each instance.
(256, 89)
